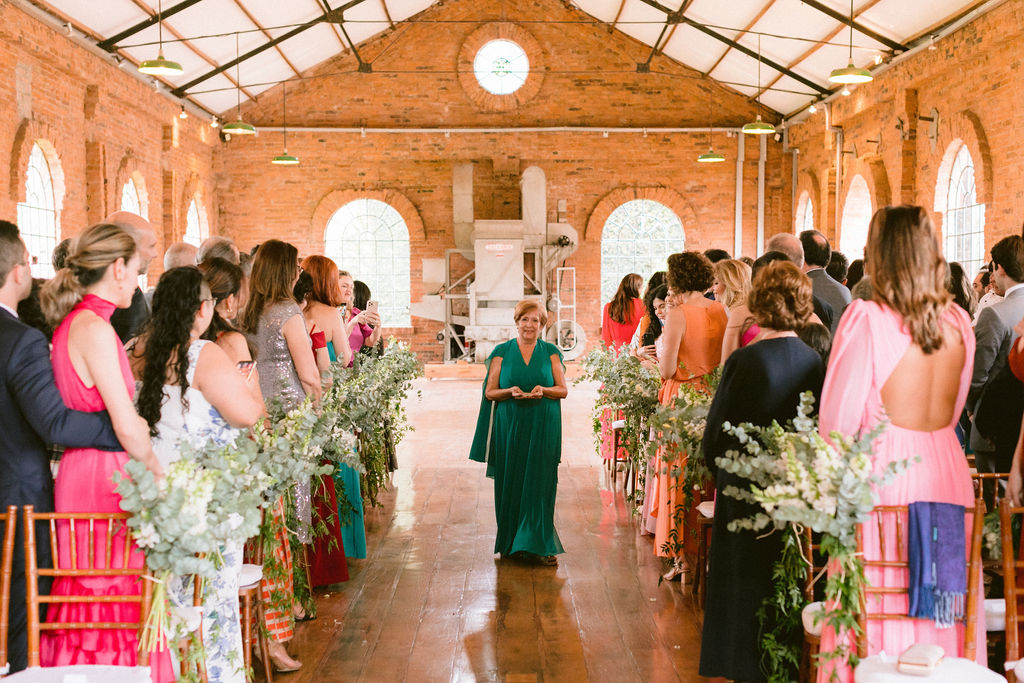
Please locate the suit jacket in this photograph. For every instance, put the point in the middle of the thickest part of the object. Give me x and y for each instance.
(824, 311)
(128, 322)
(835, 293)
(33, 414)
(994, 334)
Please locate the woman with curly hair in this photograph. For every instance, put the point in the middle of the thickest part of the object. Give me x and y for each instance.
(760, 383)
(191, 391)
(692, 343)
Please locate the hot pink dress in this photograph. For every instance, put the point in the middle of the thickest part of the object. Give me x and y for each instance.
(84, 484)
(870, 342)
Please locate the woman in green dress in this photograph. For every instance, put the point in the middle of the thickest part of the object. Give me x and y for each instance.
(519, 436)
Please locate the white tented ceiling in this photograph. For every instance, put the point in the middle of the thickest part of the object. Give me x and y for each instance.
(801, 41)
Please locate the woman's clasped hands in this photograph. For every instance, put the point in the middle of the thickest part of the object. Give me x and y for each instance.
(536, 392)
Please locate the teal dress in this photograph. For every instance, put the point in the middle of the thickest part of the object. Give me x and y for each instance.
(353, 534)
(521, 442)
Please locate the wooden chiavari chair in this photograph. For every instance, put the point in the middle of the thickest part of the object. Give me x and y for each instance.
(1013, 592)
(8, 520)
(252, 609)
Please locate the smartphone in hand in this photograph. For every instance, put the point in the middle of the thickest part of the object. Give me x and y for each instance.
(372, 305)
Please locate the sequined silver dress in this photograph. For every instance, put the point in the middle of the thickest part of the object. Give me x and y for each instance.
(278, 378)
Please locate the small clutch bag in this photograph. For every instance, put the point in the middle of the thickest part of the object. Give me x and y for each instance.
(920, 659)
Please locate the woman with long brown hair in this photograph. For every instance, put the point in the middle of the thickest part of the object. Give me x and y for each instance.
(623, 313)
(904, 357)
(92, 373)
(274, 325)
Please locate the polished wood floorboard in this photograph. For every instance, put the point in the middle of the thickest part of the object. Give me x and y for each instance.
(433, 603)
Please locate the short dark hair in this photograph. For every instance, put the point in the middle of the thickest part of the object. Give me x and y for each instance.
(817, 250)
(716, 255)
(838, 266)
(1009, 253)
(986, 277)
(12, 249)
(689, 271)
(766, 258)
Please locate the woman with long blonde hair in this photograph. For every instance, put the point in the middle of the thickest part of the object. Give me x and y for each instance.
(905, 358)
(92, 373)
(731, 288)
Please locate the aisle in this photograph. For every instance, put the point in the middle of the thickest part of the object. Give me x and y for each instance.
(432, 603)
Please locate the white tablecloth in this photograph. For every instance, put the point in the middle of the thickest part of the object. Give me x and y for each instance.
(876, 669)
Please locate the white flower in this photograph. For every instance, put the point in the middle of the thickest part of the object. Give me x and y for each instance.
(146, 536)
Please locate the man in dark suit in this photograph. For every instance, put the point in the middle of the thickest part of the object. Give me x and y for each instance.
(32, 415)
(817, 253)
(128, 322)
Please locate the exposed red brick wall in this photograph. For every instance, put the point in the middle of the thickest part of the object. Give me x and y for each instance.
(101, 124)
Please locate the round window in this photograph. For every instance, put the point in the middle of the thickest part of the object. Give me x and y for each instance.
(501, 67)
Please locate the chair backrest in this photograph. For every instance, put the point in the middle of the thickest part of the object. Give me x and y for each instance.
(109, 547)
(894, 555)
(989, 481)
(1012, 592)
(7, 520)
(810, 550)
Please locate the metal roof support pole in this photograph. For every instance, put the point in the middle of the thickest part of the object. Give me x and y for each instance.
(737, 243)
(762, 153)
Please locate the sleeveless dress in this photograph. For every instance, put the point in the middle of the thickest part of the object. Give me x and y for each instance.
(521, 442)
(700, 352)
(353, 534)
(84, 484)
(869, 344)
(222, 631)
(615, 335)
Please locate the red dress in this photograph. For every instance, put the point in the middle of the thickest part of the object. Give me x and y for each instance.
(84, 484)
(615, 334)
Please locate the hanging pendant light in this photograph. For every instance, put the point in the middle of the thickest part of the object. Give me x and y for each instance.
(850, 74)
(160, 66)
(285, 159)
(758, 127)
(710, 156)
(238, 127)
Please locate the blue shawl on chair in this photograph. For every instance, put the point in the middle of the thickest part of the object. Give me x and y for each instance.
(938, 562)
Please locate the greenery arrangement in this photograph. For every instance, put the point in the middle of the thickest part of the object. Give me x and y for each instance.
(800, 479)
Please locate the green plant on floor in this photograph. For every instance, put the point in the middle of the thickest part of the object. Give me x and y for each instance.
(779, 620)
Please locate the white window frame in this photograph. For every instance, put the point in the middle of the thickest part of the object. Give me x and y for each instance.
(963, 221)
(37, 216)
(624, 248)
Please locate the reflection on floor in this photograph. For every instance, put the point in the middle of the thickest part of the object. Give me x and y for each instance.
(433, 603)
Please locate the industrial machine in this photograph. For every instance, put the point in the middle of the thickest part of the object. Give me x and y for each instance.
(494, 265)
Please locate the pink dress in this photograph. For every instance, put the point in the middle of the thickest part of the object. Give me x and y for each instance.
(870, 342)
(84, 485)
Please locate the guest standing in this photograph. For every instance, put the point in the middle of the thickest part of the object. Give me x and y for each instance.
(92, 372)
(731, 288)
(192, 392)
(694, 329)
(329, 565)
(274, 325)
(905, 357)
(363, 327)
(225, 282)
(623, 313)
(651, 350)
(128, 321)
(32, 415)
(760, 383)
(817, 254)
(519, 436)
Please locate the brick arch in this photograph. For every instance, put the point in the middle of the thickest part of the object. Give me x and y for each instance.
(338, 198)
(29, 133)
(807, 182)
(129, 169)
(486, 101)
(194, 188)
(963, 129)
(679, 204)
(872, 170)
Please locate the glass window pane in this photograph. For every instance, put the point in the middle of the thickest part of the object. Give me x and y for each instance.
(638, 237)
(964, 220)
(37, 215)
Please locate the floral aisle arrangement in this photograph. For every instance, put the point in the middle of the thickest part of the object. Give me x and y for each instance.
(627, 386)
(800, 479)
(678, 427)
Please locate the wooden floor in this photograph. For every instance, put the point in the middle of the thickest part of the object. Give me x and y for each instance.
(433, 603)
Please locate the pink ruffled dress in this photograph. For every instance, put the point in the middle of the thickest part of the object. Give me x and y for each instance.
(869, 344)
(84, 484)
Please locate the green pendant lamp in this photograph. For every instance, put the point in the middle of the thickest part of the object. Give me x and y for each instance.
(710, 156)
(238, 127)
(849, 74)
(160, 66)
(285, 159)
(758, 126)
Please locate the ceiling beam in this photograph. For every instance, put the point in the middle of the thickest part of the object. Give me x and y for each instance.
(845, 19)
(384, 6)
(257, 24)
(110, 44)
(618, 15)
(750, 25)
(334, 27)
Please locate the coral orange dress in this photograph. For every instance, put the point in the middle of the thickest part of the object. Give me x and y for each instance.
(84, 484)
(700, 352)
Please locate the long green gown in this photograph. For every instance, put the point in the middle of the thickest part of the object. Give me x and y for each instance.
(525, 449)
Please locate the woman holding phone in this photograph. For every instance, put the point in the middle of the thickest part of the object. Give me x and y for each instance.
(192, 391)
(363, 326)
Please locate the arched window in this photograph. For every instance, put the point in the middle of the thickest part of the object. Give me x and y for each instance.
(195, 223)
(369, 238)
(804, 213)
(130, 200)
(853, 231)
(37, 215)
(638, 237)
(963, 224)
